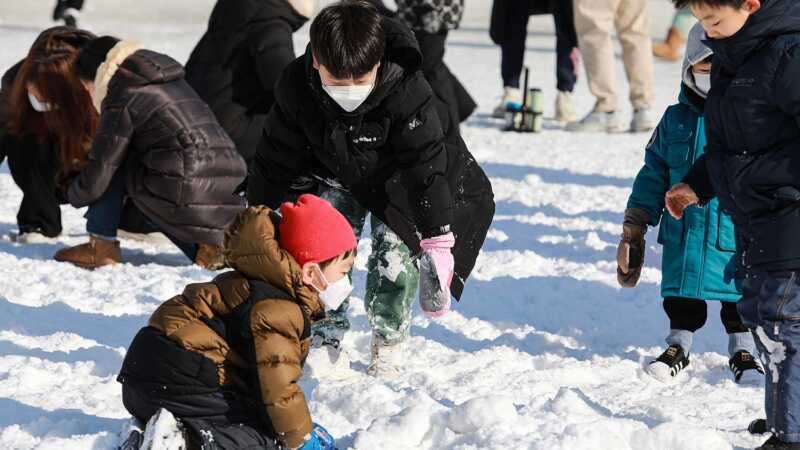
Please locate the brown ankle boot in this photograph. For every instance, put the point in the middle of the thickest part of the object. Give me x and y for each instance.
(210, 257)
(95, 253)
(670, 49)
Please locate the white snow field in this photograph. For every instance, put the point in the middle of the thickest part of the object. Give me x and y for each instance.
(545, 351)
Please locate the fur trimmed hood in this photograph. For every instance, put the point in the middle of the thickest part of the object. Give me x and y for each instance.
(116, 56)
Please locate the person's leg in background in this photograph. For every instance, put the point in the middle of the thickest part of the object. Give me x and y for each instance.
(392, 282)
(330, 331)
(633, 28)
(68, 11)
(512, 53)
(770, 308)
(33, 168)
(594, 23)
(686, 315)
(567, 59)
(671, 48)
(741, 347)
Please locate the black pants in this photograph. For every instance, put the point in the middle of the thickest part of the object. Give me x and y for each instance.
(33, 167)
(445, 85)
(515, 33)
(157, 373)
(690, 314)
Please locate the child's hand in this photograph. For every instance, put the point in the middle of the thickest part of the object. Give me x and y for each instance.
(435, 274)
(679, 198)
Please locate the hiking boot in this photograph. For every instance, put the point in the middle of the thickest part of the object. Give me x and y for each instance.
(95, 253)
(512, 97)
(210, 257)
(596, 122)
(565, 108)
(670, 49)
(386, 358)
(746, 369)
(669, 364)
(776, 444)
(642, 120)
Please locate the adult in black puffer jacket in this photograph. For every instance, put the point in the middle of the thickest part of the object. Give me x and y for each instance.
(391, 153)
(160, 145)
(238, 60)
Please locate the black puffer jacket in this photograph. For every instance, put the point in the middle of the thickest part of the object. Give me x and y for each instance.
(391, 153)
(752, 161)
(238, 60)
(181, 168)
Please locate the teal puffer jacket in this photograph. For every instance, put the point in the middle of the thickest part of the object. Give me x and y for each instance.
(699, 250)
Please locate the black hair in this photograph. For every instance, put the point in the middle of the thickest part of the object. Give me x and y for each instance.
(348, 38)
(92, 55)
(712, 3)
(324, 264)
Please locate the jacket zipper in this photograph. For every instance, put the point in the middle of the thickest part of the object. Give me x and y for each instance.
(782, 303)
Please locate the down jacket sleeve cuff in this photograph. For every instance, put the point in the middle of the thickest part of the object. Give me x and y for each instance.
(699, 180)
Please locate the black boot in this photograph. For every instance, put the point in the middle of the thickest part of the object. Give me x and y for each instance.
(776, 444)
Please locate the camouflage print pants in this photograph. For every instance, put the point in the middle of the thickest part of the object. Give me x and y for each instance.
(392, 277)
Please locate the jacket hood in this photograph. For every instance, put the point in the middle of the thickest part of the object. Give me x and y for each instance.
(775, 18)
(696, 51)
(233, 16)
(129, 65)
(252, 248)
(402, 57)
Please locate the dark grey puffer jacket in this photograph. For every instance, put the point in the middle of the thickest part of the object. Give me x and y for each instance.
(181, 168)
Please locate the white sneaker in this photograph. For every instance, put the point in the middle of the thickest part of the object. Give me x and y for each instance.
(32, 237)
(510, 95)
(596, 122)
(642, 120)
(163, 433)
(386, 359)
(565, 109)
(329, 363)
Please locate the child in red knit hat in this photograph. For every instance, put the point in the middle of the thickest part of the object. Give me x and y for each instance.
(223, 359)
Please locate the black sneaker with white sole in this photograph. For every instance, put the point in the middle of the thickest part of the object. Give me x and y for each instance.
(758, 427)
(746, 369)
(669, 364)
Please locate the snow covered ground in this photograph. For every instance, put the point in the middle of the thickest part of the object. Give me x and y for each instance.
(544, 351)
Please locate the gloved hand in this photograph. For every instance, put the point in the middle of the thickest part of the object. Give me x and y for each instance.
(630, 252)
(320, 439)
(435, 274)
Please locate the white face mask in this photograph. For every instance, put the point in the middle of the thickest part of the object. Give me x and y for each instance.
(349, 97)
(336, 293)
(702, 82)
(37, 105)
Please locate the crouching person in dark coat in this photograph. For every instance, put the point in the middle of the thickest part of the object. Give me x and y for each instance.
(158, 144)
(240, 57)
(225, 357)
(355, 121)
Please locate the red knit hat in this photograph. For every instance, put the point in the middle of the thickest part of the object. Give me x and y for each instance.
(312, 230)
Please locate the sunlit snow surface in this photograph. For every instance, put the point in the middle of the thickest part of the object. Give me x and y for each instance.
(543, 352)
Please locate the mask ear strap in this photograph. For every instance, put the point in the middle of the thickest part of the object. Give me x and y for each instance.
(321, 277)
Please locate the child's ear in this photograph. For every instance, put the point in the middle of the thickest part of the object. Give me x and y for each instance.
(751, 6)
(308, 273)
(314, 61)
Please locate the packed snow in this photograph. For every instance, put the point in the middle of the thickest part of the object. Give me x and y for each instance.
(545, 351)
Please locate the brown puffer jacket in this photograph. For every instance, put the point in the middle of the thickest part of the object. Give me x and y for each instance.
(279, 326)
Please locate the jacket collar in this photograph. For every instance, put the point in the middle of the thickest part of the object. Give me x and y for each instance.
(116, 56)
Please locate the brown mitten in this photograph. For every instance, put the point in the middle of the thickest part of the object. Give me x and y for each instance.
(630, 252)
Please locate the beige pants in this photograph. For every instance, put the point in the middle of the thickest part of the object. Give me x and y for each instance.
(594, 23)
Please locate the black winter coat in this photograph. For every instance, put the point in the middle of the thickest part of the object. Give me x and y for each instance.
(181, 168)
(752, 161)
(237, 62)
(391, 153)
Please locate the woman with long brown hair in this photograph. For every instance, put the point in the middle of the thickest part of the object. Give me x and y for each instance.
(47, 123)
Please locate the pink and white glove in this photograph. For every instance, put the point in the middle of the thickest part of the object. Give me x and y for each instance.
(436, 274)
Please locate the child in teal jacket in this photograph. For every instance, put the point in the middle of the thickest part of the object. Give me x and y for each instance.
(698, 251)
